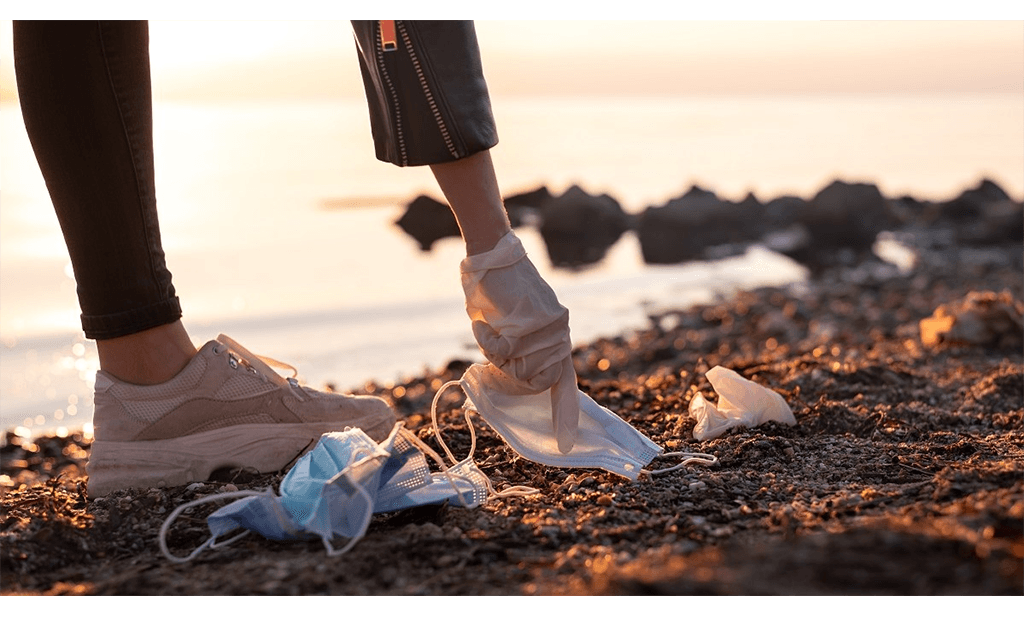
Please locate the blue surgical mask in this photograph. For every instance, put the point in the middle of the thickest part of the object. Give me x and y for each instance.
(333, 491)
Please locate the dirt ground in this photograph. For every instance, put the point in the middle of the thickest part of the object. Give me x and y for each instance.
(903, 474)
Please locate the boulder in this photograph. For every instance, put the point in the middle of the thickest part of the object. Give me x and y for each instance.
(972, 203)
(578, 228)
(783, 212)
(999, 222)
(780, 226)
(428, 220)
(522, 207)
(684, 228)
(847, 215)
(911, 210)
(984, 214)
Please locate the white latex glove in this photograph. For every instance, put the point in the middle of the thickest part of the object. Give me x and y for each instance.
(522, 329)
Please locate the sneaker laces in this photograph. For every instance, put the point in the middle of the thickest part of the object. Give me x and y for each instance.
(261, 366)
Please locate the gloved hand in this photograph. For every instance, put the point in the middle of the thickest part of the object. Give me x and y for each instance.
(522, 329)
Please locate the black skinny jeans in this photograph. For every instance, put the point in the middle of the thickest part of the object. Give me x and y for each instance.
(86, 99)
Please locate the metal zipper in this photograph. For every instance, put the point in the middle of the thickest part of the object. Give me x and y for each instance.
(426, 91)
(402, 156)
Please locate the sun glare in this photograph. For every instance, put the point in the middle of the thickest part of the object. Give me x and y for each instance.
(185, 44)
(244, 59)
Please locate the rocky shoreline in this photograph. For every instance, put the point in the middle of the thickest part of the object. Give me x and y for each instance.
(837, 227)
(903, 474)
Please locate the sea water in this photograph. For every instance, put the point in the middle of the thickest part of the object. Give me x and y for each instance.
(279, 225)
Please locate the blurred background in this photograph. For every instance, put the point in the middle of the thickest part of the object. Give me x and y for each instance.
(279, 223)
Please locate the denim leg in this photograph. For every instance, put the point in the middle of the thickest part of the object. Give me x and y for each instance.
(85, 95)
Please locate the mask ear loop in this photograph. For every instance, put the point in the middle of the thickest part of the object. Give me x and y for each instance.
(367, 516)
(212, 542)
(416, 441)
(333, 552)
(512, 491)
(689, 458)
(437, 431)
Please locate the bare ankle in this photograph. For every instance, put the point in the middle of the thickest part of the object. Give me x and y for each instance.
(149, 357)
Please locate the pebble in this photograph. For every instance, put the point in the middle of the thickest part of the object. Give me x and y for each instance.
(605, 500)
(695, 486)
(195, 486)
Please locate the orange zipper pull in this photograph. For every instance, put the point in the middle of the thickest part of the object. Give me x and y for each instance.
(388, 40)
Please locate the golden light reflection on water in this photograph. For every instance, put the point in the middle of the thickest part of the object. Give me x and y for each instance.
(55, 386)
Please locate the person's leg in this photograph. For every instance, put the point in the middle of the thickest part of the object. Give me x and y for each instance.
(151, 356)
(85, 95)
(165, 414)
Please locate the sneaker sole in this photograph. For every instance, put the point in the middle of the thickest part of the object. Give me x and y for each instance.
(116, 465)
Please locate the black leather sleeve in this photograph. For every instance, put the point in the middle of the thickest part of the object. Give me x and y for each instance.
(427, 97)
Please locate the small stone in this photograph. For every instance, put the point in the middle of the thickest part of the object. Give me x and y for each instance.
(228, 488)
(695, 486)
(604, 500)
(195, 486)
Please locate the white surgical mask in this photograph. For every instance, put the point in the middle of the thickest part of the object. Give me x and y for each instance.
(523, 419)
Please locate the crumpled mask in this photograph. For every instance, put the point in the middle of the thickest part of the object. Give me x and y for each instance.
(741, 402)
(333, 491)
(523, 331)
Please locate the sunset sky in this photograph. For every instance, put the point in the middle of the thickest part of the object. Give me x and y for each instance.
(315, 59)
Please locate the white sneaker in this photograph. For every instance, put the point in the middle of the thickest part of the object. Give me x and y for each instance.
(226, 408)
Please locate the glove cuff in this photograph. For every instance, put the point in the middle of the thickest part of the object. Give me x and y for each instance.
(506, 252)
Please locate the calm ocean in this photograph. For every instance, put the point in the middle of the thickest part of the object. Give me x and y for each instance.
(278, 222)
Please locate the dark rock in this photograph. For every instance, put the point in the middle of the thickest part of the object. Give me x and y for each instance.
(781, 228)
(910, 210)
(685, 227)
(428, 220)
(972, 203)
(751, 201)
(837, 228)
(578, 228)
(847, 215)
(522, 206)
(1000, 221)
(982, 215)
(782, 212)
